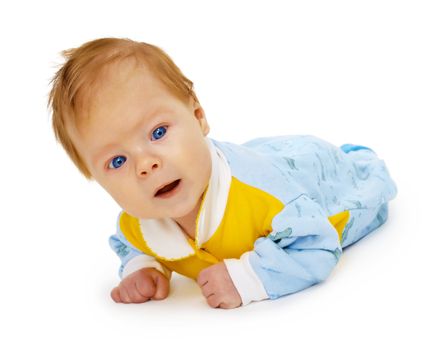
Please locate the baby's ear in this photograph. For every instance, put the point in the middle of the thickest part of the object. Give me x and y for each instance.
(198, 112)
(205, 128)
(200, 115)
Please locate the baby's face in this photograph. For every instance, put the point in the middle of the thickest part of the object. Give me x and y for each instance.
(139, 138)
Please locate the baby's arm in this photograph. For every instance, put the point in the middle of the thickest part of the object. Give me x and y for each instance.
(131, 258)
(143, 277)
(301, 251)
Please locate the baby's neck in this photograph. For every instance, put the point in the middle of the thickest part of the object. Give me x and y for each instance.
(188, 230)
(188, 222)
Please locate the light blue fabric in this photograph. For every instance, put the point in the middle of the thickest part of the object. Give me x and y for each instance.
(348, 147)
(120, 245)
(314, 179)
(305, 254)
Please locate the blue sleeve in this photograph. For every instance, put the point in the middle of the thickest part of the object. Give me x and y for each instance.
(301, 250)
(122, 248)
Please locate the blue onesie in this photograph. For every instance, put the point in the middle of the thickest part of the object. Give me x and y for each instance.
(277, 211)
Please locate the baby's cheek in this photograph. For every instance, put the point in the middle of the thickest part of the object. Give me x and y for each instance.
(123, 199)
(138, 207)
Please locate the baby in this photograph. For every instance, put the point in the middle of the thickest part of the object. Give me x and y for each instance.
(248, 222)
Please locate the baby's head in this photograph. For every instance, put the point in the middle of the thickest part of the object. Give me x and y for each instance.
(129, 119)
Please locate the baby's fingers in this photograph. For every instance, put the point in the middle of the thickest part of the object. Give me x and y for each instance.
(145, 287)
(115, 295)
(124, 293)
(162, 287)
(134, 294)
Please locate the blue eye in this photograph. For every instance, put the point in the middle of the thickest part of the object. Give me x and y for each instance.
(117, 162)
(159, 132)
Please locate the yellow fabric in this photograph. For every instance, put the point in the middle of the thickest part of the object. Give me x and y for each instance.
(339, 221)
(248, 216)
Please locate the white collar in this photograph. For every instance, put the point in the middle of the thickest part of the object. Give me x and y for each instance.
(165, 237)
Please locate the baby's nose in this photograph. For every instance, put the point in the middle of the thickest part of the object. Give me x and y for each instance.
(147, 166)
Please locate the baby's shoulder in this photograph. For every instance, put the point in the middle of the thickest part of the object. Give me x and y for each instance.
(258, 165)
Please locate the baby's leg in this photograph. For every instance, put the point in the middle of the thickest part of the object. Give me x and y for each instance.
(362, 222)
(374, 187)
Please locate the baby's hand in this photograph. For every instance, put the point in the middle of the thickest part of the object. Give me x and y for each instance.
(218, 288)
(141, 286)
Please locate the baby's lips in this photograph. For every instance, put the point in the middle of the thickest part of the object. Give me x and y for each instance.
(160, 187)
(164, 185)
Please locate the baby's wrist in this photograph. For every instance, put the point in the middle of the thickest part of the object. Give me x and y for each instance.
(145, 261)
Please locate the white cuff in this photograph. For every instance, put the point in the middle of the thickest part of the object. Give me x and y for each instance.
(142, 261)
(249, 286)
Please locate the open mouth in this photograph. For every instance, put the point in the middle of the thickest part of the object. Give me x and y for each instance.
(167, 189)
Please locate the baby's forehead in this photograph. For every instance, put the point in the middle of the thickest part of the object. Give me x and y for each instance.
(118, 72)
(123, 90)
(101, 120)
(90, 95)
(117, 76)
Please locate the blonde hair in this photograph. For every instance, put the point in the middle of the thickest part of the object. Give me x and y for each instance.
(71, 84)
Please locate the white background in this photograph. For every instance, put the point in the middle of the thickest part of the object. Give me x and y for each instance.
(365, 72)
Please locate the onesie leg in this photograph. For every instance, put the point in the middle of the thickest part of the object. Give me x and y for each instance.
(362, 222)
